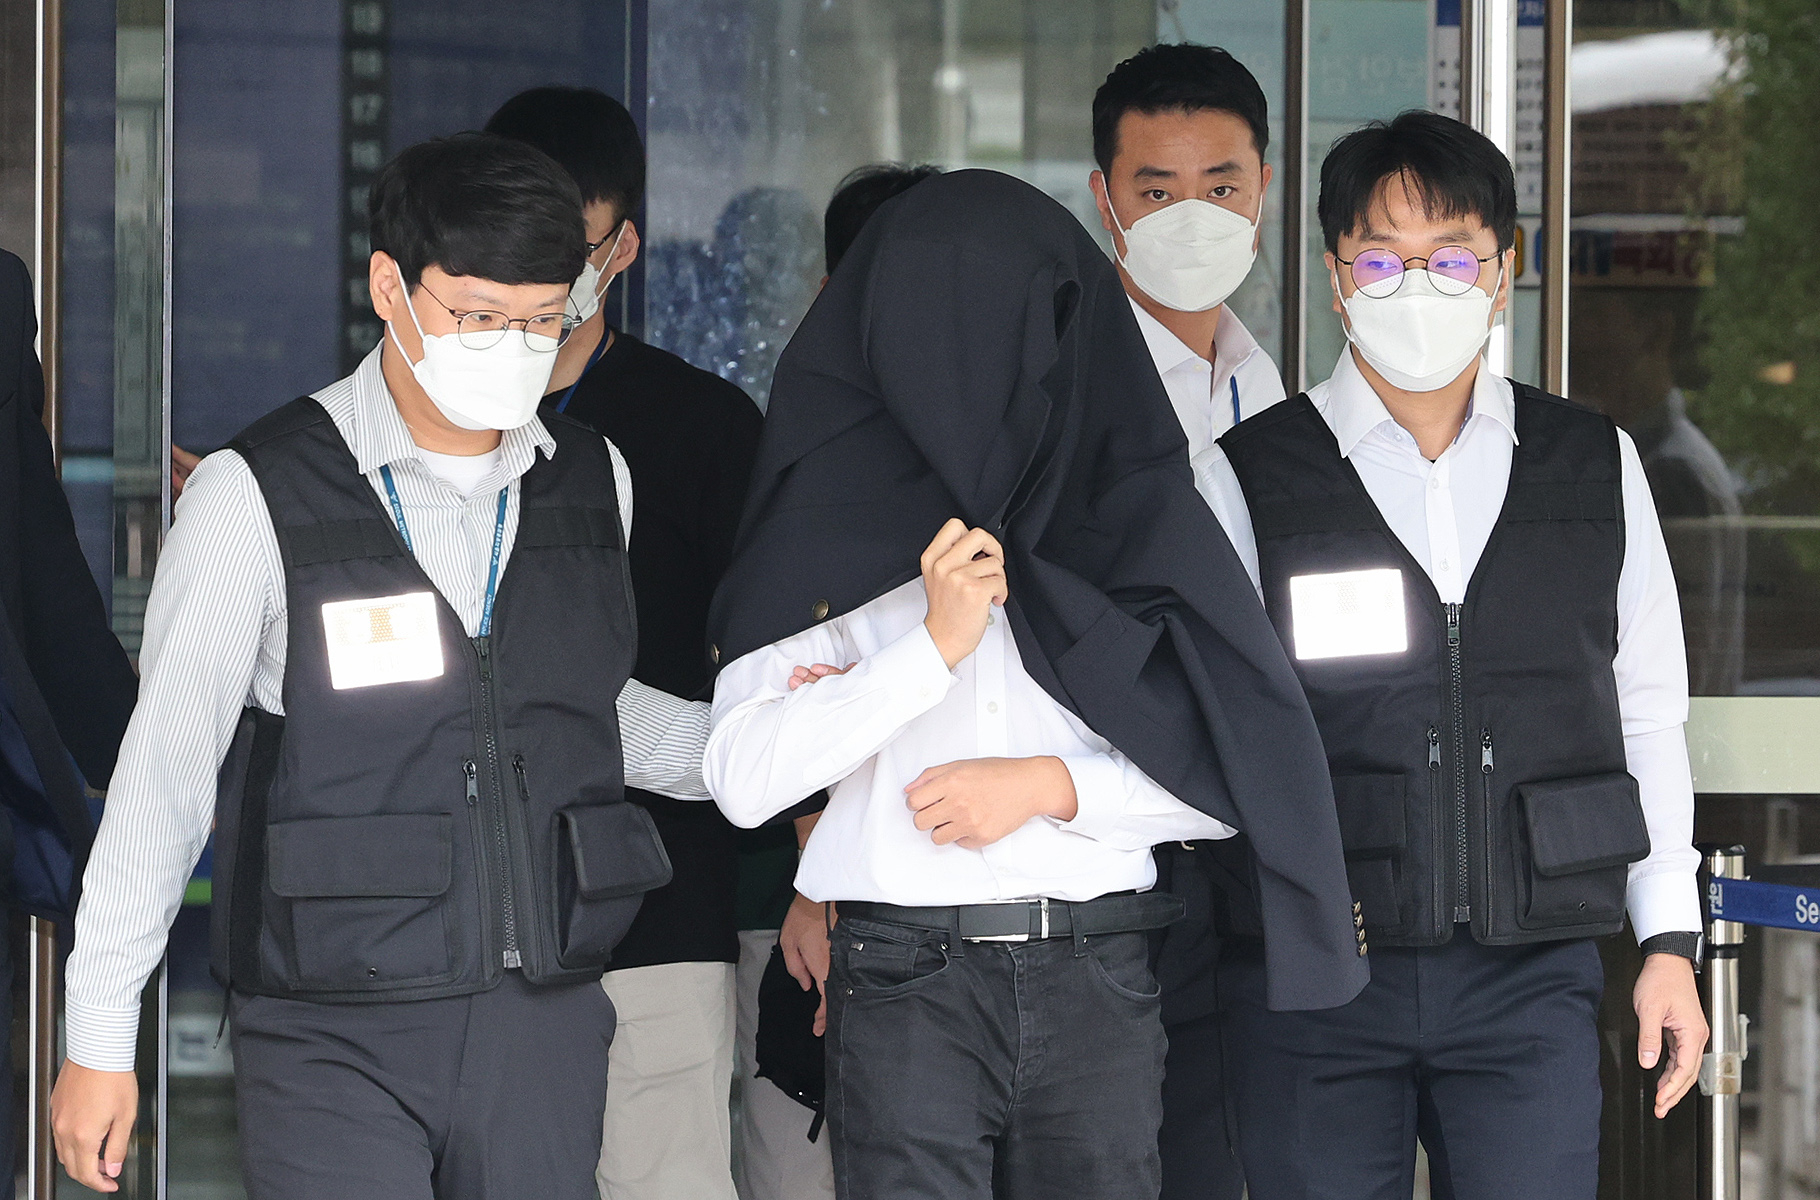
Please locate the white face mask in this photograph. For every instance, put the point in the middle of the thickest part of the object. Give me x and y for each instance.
(1189, 256)
(1418, 338)
(496, 388)
(592, 283)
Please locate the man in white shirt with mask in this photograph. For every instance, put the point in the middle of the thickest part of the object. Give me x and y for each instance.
(1179, 132)
(1471, 581)
(386, 663)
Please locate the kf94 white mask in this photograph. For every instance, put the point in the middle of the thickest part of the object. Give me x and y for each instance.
(495, 388)
(592, 284)
(1190, 255)
(1420, 338)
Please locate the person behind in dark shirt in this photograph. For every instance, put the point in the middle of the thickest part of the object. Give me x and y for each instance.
(688, 437)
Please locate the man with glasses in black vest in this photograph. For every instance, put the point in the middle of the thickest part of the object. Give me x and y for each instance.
(393, 624)
(1471, 582)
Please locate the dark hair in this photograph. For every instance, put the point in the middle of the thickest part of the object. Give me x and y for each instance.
(475, 204)
(1452, 168)
(858, 197)
(1177, 77)
(589, 133)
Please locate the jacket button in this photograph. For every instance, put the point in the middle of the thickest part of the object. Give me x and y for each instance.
(819, 610)
(1361, 949)
(714, 653)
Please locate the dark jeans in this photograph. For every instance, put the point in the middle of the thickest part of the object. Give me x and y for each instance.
(980, 1070)
(495, 1096)
(1488, 1054)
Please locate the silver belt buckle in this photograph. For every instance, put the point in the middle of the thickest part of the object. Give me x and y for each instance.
(1043, 911)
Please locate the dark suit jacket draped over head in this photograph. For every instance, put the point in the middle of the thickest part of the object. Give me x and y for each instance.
(974, 356)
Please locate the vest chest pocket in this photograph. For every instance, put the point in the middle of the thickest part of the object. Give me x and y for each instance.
(1583, 834)
(366, 899)
(1374, 832)
(607, 857)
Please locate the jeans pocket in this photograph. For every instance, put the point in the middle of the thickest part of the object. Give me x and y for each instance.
(871, 960)
(1121, 961)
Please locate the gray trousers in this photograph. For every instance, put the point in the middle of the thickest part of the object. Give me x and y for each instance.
(990, 1070)
(495, 1096)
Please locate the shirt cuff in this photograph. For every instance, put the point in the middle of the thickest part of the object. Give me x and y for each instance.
(101, 1039)
(915, 663)
(1666, 903)
(1099, 795)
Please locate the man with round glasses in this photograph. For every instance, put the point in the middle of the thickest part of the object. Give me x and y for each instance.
(1471, 581)
(386, 663)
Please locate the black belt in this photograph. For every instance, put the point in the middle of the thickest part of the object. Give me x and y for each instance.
(1030, 920)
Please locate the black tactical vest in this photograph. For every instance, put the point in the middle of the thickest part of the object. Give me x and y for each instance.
(410, 840)
(1480, 775)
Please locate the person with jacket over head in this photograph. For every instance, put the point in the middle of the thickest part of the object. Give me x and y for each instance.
(1021, 658)
(1470, 578)
(387, 659)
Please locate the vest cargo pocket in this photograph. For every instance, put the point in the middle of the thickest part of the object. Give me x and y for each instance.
(1583, 834)
(366, 897)
(1374, 833)
(607, 857)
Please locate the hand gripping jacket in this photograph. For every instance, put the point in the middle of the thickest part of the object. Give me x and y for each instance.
(413, 840)
(1479, 775)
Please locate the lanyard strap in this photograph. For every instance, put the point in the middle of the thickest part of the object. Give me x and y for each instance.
(499, 541)
(606, 335)
(1234, 381)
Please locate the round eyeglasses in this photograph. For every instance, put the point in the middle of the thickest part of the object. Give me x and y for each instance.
(482, 329)
(1454, 270)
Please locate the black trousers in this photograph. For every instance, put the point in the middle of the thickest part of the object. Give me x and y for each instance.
(495, 1096)
(1199, 1162)
(1487, 1054)
(982, 1070)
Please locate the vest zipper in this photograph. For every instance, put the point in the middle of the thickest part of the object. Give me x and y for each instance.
(1438, 887)
(1462, 899)
(1486, 767)
(503, 875)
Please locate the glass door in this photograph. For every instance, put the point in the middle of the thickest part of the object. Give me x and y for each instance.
(1692, 285)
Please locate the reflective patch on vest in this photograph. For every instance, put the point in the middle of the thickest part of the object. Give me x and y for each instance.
(1346, 614)
(390, 639)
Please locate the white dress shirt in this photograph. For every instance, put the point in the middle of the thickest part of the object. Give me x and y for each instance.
(1443, 512)
(867, 734)
(215, 642)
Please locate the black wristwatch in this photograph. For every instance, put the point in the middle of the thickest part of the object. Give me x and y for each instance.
(1687, 945)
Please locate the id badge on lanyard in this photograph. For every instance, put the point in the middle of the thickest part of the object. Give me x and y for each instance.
(396, 639)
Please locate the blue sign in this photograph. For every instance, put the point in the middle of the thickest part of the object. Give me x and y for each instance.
(1774, 904)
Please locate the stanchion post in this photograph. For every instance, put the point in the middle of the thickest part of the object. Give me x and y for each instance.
(1722, 1069)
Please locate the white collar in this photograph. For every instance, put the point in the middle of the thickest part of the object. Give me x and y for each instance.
(1233, 345)
(1352, 409)
(1166, 349)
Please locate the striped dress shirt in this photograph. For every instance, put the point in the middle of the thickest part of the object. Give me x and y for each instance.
(215, 643)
